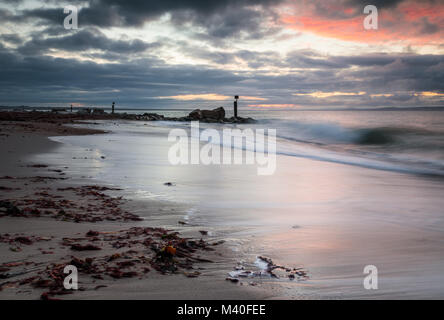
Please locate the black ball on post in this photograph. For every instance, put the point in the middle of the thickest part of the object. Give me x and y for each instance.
(235, 105)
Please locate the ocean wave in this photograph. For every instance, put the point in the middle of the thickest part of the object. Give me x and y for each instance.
(320, 133)
(381, 148)
(376, 136)
(328, 133)
(400, 149)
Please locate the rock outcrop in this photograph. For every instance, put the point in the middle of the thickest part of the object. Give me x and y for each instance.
(239, 120)
(217, 114)
(211, 116)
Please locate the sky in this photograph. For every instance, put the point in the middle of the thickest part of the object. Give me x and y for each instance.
(199, 53)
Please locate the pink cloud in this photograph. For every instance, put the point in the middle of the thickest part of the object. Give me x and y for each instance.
(417, 23)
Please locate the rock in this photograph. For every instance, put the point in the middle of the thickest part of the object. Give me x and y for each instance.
(195, 114)
(98, 111)
(240, 120)
(152, 116)
(84, 111)
(217, 114)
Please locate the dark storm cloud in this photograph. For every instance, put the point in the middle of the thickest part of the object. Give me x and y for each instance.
(83, 40)
(334, 9)
(11, 38)
(30, 76)
(258, 60)
(45, 79)
(404, 73)
(310, 59)
(377, 3)
(416, 73)
(138, 11)
(365, 61)
(13, 2)
(42, 79)
(51, 15)
(242, 22)
(427, 27)
(6, 15)
(254, 59)
(303, 59)
(222, 18)
(383, 3)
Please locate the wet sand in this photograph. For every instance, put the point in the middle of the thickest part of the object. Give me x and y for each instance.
(21, 141)
(330, 219)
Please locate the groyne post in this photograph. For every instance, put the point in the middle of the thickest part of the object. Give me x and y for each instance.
(235, 105)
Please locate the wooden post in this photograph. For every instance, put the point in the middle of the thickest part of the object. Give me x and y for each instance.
(112, 111)
(235, 106)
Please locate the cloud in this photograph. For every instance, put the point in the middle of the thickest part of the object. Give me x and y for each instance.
(11, 38)
(275, 105)
(135, 13)
(209, 97)
(427, 27)
(220, 19)
(306, 59)
(201, 96)
(84, 40)
(43, 79)
(228, 22)
(320, 94)
(215, 49)
(415, 22)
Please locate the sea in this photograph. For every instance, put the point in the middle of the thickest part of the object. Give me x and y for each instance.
(351, 189)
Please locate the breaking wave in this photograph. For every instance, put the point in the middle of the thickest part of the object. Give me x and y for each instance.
(406, 149)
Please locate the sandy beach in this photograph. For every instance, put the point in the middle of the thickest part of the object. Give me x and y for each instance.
(327, 218)
(305, 232)
(32, 244)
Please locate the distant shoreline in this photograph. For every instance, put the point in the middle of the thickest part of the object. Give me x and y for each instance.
(75, 109)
